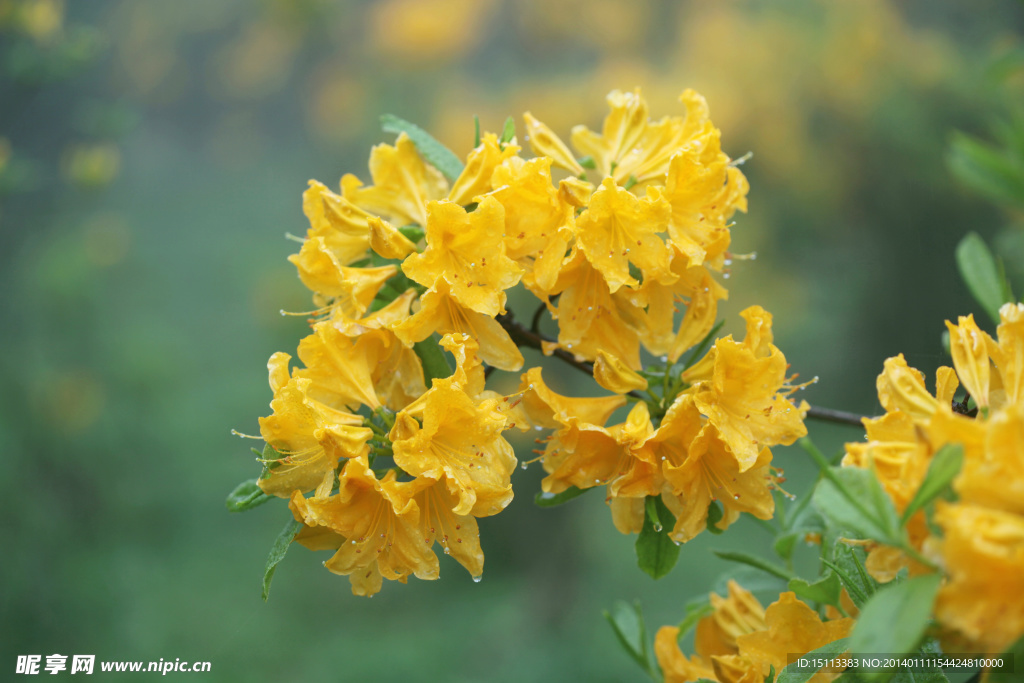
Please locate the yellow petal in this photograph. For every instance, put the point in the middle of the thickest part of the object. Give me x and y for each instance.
(967, 345)
(475, 178)
(902, 388)
(613, 375)
(545, 143)
(545, 408)
(387, 241)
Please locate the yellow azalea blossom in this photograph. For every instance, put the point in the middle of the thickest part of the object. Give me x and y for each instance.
(983, 554)
(349, 292)
(462, 441)
(458, 535)
(618, 229)
(1008, 353)
(379, 521)
(793, 629)
(757, 337)
(538, 222)
(590, 318)
(710, 472)
(467, 251)
(475, 178)
(993, 472)
(338, 235)
(703, 191)
(736, 615)
(677, 667)
(440, 312)
(746, 400)
(622, 136)
(741, 641)
(310, 436)
(403, 184)
(339, 368)
(586, 455)
(546, 144)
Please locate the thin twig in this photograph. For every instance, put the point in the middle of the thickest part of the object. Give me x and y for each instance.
(837, 416)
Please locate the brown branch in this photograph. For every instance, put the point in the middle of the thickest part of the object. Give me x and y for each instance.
(837, 416)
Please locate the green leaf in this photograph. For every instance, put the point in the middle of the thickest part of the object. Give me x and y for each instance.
(794, 673)
(435, 363)
(851, 499)
(848, 564)
(656, 553)
(1013, 659)
(945, 465)
(277, 553)
(550, 500)
(270, 459)
(436, 154)
(756, 562)
(628, 623)
(895, 618)
(715, 515)
(979, 271)
(476, 131)
(509, 131)
(826, 590)
(987, 170)
(246, 496)
(770, 678)
(412, 232)
(587, 162)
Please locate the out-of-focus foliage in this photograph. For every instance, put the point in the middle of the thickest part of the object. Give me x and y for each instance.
(152, 156)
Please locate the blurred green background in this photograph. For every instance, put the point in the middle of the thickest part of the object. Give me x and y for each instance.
(152, 158)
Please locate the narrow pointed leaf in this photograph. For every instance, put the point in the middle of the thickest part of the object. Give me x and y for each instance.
(277, 553)
(895, 618)
(246, 496)
(979, 271)
(944, 467)
(436, 154)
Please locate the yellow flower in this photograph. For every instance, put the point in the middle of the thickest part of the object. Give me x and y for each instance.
(458, 535)
(475, 178)
(590, 317)
(983, 554)
(703, 191)
(467, 251)
(379, 522)
(612, 374)
(741, 641)
(440, 312)
(338, 236)
(459, 440)
(746, 400)
(677, 667)
(793, 629)
(969, 347)
(701, 468)
(310, 436)
(403, 184)
(538, 222)
(618, 230)
(339, 368)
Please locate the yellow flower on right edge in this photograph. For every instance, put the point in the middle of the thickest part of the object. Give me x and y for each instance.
(981, 547)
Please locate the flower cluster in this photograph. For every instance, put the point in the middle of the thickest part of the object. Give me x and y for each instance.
(383, 449)
(742, 641)
(978, 541)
